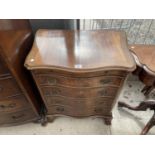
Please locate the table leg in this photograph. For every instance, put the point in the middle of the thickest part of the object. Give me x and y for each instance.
(141, 107)
(149, 125)
(145, 89)
(148, 91)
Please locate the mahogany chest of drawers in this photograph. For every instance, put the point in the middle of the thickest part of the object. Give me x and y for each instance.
(17, 100)
(79, 73)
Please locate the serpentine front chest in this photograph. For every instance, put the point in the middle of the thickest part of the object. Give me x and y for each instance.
(80, 73)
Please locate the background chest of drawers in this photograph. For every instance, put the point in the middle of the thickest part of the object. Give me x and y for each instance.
(18, 103)
(79, 73)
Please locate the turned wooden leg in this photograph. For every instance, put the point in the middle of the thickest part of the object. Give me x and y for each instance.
(44, 121)
(149, 125)
(107, 121)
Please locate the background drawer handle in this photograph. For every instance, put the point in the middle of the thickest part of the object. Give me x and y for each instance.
(56, 91)
(60, 109)
(52, 81)
(11, 105)
(18, 116)
(105, 81)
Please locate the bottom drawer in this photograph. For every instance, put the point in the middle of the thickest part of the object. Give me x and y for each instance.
(80, 111)
(17, 117)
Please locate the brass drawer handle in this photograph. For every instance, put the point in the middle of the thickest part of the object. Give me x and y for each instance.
(105, 81)
(18, 116)
(56, 91)
(52, 81)
(60, 109)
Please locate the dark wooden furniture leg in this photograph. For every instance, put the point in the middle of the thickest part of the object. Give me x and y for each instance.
(143, 106)
(149, 125)
(107, 121)
(147, 90)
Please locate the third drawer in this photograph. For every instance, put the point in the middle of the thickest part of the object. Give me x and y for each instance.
(78, 102)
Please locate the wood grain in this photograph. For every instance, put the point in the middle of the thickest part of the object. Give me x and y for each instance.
(74, 50)
(80, 73)
(18, 103)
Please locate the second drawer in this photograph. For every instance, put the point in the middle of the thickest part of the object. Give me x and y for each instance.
(79, 82)
(80, 92)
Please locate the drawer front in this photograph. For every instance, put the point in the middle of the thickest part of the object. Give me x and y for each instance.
(86, 74)
(8, 87)
(79, 111)
(80, 92)
(79, 82)
(77, 102)
(17, 117)
(14, 104)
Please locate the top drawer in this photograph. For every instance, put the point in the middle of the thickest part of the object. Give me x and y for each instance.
(80, 74)
(79, 82)
(8, 87)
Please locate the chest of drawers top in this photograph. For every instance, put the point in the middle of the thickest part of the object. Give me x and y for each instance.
(78, 51)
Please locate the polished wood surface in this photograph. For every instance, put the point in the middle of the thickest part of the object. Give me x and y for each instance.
(18, 103)
(74, 50)
(14, 24)
(146, 56)
(80, 73)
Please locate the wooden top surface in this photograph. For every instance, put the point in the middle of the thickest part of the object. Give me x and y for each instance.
(80, 50)
(145, 55)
